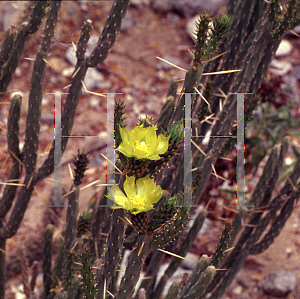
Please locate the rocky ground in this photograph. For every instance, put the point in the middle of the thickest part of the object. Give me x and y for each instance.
(150, 29)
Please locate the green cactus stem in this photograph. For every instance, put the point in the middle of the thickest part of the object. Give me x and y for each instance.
(36, 91)
(202, 264)
(19, 43)
(47, 258)
(71, 228)
(111, 29)
(183, 250)
(134, 267)
(7, 47)
(222, 245)
(83, 40)
(113, 251)
(87, 274)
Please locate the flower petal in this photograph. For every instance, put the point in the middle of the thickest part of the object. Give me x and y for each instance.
(163, 143)
(116, 195)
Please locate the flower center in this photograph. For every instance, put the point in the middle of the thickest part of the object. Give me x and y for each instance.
(142, 146)
(137, 200)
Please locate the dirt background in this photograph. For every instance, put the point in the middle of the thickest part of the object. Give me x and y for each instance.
(131, 69)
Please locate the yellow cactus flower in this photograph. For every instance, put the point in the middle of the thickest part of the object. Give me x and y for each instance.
(143, 143)
(139, 197)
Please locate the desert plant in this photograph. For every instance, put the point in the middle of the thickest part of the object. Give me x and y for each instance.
(142, 217)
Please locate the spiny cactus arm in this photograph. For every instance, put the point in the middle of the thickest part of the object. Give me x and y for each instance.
(168, 108)
(7, 47)
(69, 270)
(278, 224)
(68, 116)
(57, 271)
(171, 230)
(13, 147)
(173, 291)
(152, 270)
(47, 259)
(36, 16)
(134, 267)
(74, 289)
(222, 245)
(266, 178)
(112, 255)
(71, 221)
(19, 43)
(19, 208)
(202, 264)
(192, 79)
(198, 289)
(13, 127)
(286, 191)
(289, 20)
(228, 277)
(102, 215)
(36, 91)
(87, 274)
(111, 29)
(83, 40)
(183, 250)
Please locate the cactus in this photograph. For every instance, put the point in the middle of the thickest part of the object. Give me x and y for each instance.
(143, 218)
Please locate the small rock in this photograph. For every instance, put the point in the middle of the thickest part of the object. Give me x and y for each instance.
(128, 22)
(57, 63)
(280, 68)
(279, 283)
(163, 6)
(190, 261)
(93, 79)
(138, 3)
(8, 15)
(71, 56)
(296, 72)
(188, 7)
(192, 7)
(237, 290)
(284, 48)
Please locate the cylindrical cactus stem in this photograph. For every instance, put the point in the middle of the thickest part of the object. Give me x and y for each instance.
(13, 147)
(19, 43)
(83, 40)
(7, 47)
(47, 259)
(87, 274)
(50, 25)
(198, 289)
(71, 221)
(134, 267)
(69, 270)
(35, 96)
(222, 245)
(111, 29)
(19, 208)
(202, 264)
(183, 250)
(113, 251)
(13, 127)
(171, 230)
(36, 16)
